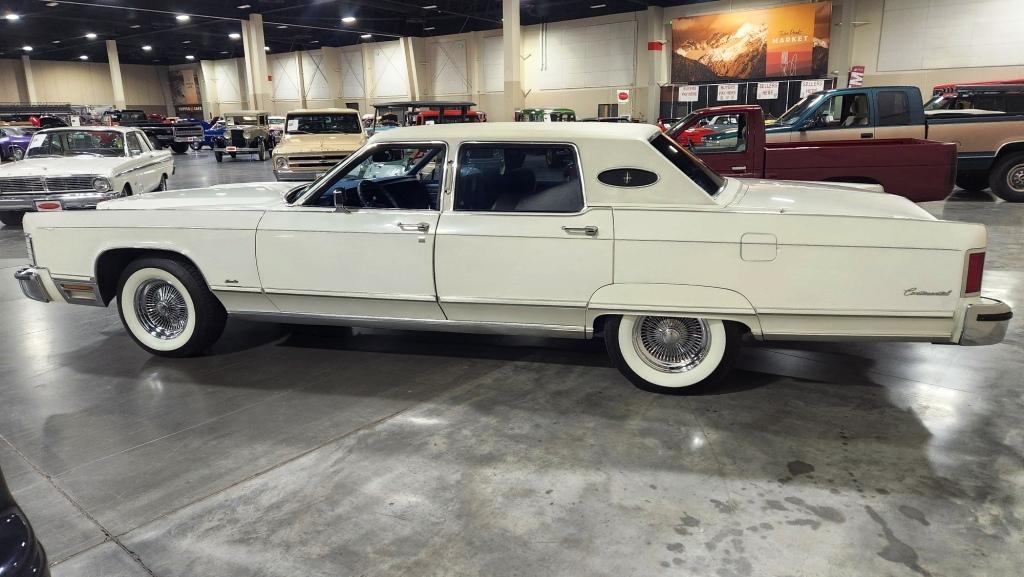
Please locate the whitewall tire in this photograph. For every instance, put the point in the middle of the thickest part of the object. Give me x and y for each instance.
(167, 308)
(672, 354)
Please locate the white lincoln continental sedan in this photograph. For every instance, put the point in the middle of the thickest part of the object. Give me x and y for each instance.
(553, 229)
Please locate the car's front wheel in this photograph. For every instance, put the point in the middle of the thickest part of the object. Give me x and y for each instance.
(672, 354)
(167, 308)
(12, 217)
(17, 153)
(1007, 178)
(179, 147)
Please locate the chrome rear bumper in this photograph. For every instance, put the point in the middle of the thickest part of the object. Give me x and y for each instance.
(985, 323)
(32, 284)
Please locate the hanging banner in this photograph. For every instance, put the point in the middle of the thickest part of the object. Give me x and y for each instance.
(767, 90)
(808, 87)
(728, 92)
(781, 42)
(689, 93)
(856, 77)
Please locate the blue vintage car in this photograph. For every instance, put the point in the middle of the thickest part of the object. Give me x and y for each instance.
(210, 131)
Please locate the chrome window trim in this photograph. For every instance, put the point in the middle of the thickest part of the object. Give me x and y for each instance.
(452, 192)
(316, 185)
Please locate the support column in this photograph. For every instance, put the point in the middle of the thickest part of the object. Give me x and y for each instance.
(512, 41)
(165, 85)
(369, 81)
(256, 69)
(115, 74)
(30, 82)
(332, 70)
(300, 78)
(208, 88)
(474, 58)
(411, 47)
(657, 75)
(840, 56)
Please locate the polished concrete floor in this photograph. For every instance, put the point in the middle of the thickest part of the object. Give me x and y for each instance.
(386, 453)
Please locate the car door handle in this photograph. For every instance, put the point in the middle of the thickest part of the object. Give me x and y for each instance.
(587, 230)
(866, 135)
(739, 168)
(420, 226)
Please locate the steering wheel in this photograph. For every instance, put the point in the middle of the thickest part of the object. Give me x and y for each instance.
(373, 195)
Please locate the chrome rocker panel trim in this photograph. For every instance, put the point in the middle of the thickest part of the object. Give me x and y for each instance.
(985, 323)
(406, 324)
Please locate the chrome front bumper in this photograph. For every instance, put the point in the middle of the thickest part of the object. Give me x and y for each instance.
(69, 200)
(985, 323)
(32, 284)
(288, 175)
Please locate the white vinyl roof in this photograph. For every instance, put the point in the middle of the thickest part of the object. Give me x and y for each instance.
(521, 131)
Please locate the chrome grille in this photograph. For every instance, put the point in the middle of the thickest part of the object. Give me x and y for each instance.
(69, 183)
(316, 161)
(21, 184)
(187, 131)
(237, 138)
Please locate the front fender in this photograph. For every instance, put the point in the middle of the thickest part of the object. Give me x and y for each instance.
(673, 300)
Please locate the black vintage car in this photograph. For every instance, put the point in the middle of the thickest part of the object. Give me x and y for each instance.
(245, 132)
(177, 136)
(21, 555)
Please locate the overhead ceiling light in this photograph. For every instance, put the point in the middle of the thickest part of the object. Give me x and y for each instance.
(182, 18)
(244, 6)
(190, 57)
(186, 42)
(348, 19)
(281, 27)
(431, 7)
(56, 42)
(27, 48)
(91, 36)
(83, 57)
(223, 51)
(52, 4)
(366, 36)
(136, 26)
(234, 36)
(314, 42)
(596, 6)
(428, 28)
(266, 49)
(147, 48)
(11, 17)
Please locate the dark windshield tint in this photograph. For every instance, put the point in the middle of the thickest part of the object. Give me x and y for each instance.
(323, 123)
(709, 181)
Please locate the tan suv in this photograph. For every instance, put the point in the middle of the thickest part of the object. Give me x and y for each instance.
(316, 140)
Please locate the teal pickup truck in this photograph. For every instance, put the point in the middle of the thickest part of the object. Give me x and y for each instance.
(990, 147)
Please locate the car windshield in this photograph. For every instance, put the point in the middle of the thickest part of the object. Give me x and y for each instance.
(77, 143)
(242, 120)
(277, 120)
(323, 124)
(940, 102)
(791, 116)
(694, 168)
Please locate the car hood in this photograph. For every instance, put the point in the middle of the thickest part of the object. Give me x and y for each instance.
(795, 197)
(62, 166)
(298, 143)
(245, 196)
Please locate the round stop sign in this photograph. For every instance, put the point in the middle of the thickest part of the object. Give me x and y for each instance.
(623, 96)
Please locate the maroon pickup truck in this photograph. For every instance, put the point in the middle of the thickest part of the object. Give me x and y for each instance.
(920, 170)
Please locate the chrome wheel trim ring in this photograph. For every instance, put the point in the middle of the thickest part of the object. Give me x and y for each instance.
(1015, 178)
(671, 344)
(161, 309)
(17, 153)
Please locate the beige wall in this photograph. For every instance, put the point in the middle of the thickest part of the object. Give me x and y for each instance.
(82, 83)
(865, 52)
(12, 82)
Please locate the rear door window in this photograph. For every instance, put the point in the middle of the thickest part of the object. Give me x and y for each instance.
(519, 178)
(893, 108)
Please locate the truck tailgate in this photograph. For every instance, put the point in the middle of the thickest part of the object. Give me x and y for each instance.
(920, 170)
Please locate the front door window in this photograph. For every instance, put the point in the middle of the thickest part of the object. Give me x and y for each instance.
(402, 176)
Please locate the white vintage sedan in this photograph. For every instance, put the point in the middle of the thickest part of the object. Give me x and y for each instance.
(559, 230)
(79, 167)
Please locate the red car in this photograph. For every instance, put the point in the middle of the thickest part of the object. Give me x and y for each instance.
(694, 134)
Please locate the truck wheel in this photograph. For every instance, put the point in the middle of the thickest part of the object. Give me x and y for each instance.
(1007, 178)
(167, 308)
(197, 146)
(233, 154)
(262, 152)
(974, 181)
(179, 147)
(672, 354)
(219, 156)
(11, 218)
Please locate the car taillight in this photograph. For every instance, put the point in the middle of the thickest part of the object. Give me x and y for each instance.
(975, 269)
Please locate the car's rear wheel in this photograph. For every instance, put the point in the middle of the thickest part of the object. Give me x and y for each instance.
(672, 354)
(179, 147)
(167, 308)
(1007, 178)
(261, 151)
(12, 218)
(17, 153)
(163, 183)
(973, 181)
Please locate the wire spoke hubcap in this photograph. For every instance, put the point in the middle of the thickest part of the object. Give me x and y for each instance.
(161, 309)
(1015, 178)
(671, 344)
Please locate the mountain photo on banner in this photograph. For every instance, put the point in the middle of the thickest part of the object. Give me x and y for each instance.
(783, 42)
